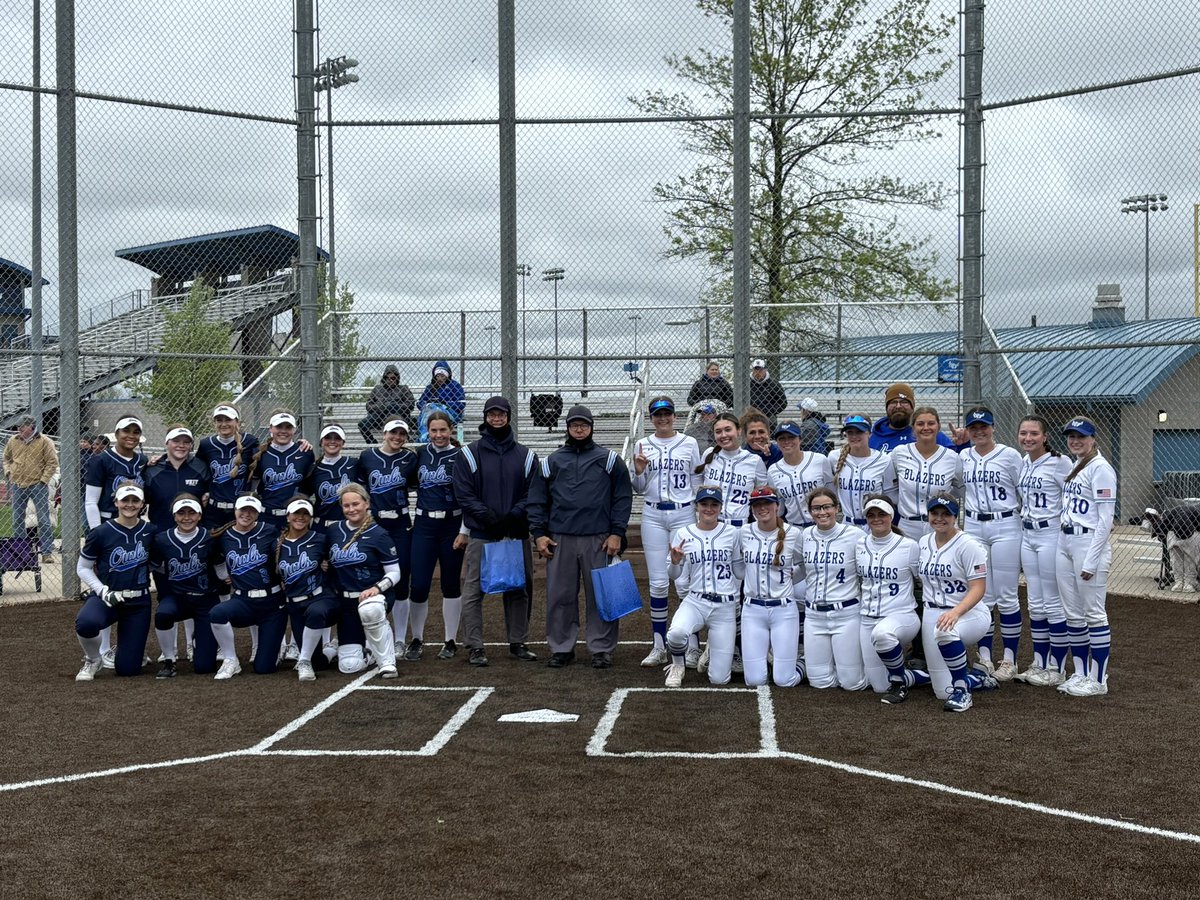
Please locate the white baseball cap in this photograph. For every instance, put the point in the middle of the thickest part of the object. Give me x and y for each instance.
(300, 504)
(283, 418)
(759, 364)
(335, 430)
(180, 433)
(808, 404)
(227, 411)
(128, 490)
(185, 503)
(396, 423)
(248, 501)
(127, 421)
(881, 505)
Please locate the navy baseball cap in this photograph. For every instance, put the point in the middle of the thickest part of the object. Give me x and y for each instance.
(662, 404)
(787, 428)
(980, 417)
(858, 423)
(942, 503)
(1080, 425)
(708, 493)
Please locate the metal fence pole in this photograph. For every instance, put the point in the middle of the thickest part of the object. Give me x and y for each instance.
(36, 390)
(68, 290)
(306, 182)
(972, 209)
(741, 204)
(508, 202)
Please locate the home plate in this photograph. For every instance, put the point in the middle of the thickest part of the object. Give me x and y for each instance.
(539, 717)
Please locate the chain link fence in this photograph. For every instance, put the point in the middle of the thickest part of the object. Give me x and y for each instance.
(192, 229)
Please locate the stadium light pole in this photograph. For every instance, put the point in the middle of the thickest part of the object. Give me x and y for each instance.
(328, 77)
(1145, 204)
(491, 330)
(635, 319)
(524, 270)
(554, 276)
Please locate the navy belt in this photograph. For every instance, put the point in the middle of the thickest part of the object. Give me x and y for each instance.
(915, 518)
(736, 523)
(989, 517)
(717, 598)
(937, 606)
(651, 503)
(1034, 524)
(831, 607)
(760, 601)
(849, 521)
(1076, 529)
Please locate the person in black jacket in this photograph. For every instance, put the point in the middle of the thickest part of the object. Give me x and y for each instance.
(579, 508)
(766, 394)
(711, 386)
(389, 400)
(491, 484)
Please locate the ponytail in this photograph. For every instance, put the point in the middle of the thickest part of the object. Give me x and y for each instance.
(780, 534)
(262, 448)
(837, 469)
(1083, 463)
(237, 457)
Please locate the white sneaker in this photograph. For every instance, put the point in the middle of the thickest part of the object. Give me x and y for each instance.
(330, 650)
(675, 675)
(109, 659)
(656, 658)
(191, 650)
(1069, 685)
(986, 664)
(388, 671)
(692, 658)
(162, 657)
(702, 662)
(229, 668)
(292, 652)
(1024, 676)
(1006, 671)
(1053, 678)
(1086, 687)
(87, 672)
(304, 670)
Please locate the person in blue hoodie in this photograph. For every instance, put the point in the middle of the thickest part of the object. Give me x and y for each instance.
(445, 391)
(895, 428)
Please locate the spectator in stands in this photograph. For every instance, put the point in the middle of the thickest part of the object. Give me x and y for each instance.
(766, 394)
(30, 462)
(445, 391)
(389, 400)
(711, 386)
(702, 428)
(814, 431)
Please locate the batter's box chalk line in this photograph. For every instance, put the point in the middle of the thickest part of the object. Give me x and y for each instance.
(769, 749)
(264, 747)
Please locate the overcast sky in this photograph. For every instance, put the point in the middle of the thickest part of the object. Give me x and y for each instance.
(417, 208)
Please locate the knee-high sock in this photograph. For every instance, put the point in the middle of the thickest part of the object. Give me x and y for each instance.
(694, 642)
(1039, 631)
(400, 621)
(224, 635)
(985, 645)
(189, 632)
(955, 655)
(1099, 637)
(451, 616)
(1010, 634)
(253, 641)
(417, 614)
(1059, 642)
(105, 640)
(309, 641)
(167, 641)
(658, 620)
(1077, 637)
(327, 636)
(893, 661)
(91, 647)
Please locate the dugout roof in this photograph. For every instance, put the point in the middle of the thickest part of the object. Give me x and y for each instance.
(12, 271)
(267, 247)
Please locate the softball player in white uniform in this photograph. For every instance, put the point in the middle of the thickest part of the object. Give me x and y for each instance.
(1089, 502)
(954, 573)
(734, 470)
(888, 565)
(991, 473)
(832, 653)
(664, 470)
(861, 471)
(1043, 473)
(924, 468)
(797, 474)
(770, 615)
(706, 558)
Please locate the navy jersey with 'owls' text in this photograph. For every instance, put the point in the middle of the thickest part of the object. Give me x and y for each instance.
(186, 561)
(281, 473)
(164, 482)
(107, 470)
(358, 562)
(435, 476)
(122, 555)
(327, 477)
(249, 557)
(218, 455)
(387, 478)
(300, 564)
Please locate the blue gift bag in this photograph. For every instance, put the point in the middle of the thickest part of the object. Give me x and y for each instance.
(616, 590)
(503, 567)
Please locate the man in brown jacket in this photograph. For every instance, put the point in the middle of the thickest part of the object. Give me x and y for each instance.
(29, 463)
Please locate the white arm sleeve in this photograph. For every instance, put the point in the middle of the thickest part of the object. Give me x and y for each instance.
(222, 572)
(86, 570)
(392, 571)
(91, 505)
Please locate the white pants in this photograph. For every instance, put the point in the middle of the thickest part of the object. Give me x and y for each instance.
(1083, 601)
(695, 613)
(915, 530)
(1039, 561)
(657, 527)
(1002, 537)
(969, 629)
(884, 633)
(776, 628)
(832, 654)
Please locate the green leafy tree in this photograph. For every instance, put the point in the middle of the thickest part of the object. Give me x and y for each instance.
(823, 225)
(186, 390)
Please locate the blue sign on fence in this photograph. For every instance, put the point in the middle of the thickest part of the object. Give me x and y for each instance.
(632, 367)
(950, 370)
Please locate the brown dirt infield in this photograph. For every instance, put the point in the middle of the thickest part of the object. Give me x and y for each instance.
(521, 810)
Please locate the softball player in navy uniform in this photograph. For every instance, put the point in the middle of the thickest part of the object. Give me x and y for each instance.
(1084, 555)
(245, 553)
(176, 472)
(860, 471)
(105, 471)
(366, 567)
(734, 470)
(770, 615)
(888, 566)
(664, 471)
(438, 537)
(954, 571)
(706, 560)
(923, 469)
(227, 454)
(388, 471)
(832, 653)
(797, 473)
(991, 495)
(1043, 473)
(115, 565)
(298, 557)
(330, 472)
(187, 589)
(280, 469)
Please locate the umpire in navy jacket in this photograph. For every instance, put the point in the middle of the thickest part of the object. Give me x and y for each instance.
(579, 506)
(491, 484)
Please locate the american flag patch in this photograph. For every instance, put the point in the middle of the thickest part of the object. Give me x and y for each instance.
(981, 569)
(1104, 493)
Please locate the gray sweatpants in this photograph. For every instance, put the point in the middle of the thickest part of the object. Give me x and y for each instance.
(574, 558)
(517, 604)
